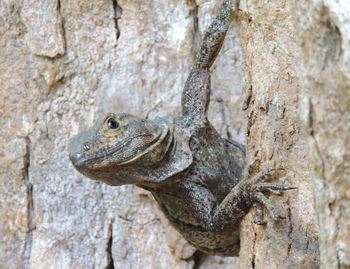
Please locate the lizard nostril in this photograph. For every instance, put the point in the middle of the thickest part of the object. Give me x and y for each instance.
(86, 146)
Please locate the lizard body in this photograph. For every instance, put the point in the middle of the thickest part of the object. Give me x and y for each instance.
(196, 176)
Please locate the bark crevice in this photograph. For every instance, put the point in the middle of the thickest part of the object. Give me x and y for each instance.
(196, 32)
(117, 16)
(317, 147)
(198, 258)
(109, 247)
(290, 231)
(253, 256)
(30, 210)
(62, 27)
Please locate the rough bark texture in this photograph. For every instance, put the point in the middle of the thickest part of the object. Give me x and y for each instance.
(324, 37)
(61, 64)
(295, 60)
(274, 138)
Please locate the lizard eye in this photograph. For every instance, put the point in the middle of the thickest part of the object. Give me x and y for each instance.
(112, 123)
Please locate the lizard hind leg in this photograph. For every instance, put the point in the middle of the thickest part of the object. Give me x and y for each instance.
(258, 188)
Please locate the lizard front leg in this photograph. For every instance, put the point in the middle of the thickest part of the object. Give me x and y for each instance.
(195, 96)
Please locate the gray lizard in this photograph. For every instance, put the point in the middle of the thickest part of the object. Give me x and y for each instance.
(196, 176)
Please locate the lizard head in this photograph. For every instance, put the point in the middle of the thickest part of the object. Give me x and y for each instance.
(120, 148)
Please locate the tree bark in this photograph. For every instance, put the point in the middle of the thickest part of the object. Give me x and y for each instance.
(275, 139)
(324, 37)
(295, 61)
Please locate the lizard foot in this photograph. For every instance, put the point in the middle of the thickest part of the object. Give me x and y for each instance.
(258, 188)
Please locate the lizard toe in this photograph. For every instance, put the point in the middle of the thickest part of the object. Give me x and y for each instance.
(258, 216)
(263, 200)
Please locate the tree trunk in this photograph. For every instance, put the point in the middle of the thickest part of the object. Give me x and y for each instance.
(296, 65)
(324, 38)
(275, 139)
(63, 62)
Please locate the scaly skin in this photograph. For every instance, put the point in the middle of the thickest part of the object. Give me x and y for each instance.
(195, 175)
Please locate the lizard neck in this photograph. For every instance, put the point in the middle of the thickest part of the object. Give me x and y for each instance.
(176, 159)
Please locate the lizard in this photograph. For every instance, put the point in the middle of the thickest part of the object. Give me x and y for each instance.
(199, 179)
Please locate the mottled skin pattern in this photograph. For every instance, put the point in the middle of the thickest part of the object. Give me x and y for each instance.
(195, 175)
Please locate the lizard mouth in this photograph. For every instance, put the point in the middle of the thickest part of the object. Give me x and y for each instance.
(81, 160)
